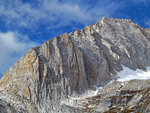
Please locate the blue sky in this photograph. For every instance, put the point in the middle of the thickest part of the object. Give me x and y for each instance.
(28, 23)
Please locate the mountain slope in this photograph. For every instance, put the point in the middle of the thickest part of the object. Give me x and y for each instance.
(72, 64)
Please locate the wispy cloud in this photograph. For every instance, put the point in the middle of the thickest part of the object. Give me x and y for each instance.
(54, 12)
(147, 23)
(145, 2)
(12, 47)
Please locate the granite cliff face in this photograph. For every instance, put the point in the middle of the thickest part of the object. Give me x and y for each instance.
(47, 77)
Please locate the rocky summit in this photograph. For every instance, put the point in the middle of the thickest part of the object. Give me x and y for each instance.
(77, 72)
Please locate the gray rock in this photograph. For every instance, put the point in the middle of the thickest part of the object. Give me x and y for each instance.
(71, 64)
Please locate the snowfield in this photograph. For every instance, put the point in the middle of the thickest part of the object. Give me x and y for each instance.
(128, 74)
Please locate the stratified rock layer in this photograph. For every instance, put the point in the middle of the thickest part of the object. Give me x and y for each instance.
(71, 64)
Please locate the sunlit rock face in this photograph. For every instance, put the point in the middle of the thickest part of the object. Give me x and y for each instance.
(71, 65)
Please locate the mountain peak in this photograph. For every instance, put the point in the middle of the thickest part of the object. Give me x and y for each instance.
(115, 20)
(71, 65)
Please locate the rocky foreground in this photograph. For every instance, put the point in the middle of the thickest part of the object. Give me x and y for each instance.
(58, 76)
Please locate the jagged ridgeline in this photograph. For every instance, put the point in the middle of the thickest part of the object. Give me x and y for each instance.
(51, 77)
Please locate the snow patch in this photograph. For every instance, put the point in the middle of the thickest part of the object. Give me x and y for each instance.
(128, 74)
(81, 99)
(90, 93)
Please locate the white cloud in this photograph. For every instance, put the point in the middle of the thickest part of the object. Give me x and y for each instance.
(54, 12)
(12, 47)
